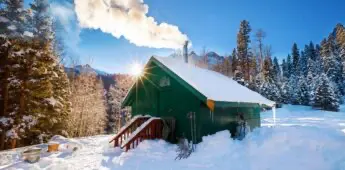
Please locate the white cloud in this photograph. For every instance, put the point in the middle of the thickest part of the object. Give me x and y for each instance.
(128, 18)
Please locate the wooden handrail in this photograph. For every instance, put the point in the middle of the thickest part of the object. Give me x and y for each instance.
(151, 130)
(128, 129)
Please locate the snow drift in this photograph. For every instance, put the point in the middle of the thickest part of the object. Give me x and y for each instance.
(128, 18)
(303, 139)
(280, 148)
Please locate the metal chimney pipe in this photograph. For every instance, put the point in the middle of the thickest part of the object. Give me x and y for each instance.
(185, 52)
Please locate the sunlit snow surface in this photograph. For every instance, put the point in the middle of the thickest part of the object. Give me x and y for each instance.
(303, 139)
(306, 116)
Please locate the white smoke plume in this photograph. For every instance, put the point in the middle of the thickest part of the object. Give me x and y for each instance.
(128, 18)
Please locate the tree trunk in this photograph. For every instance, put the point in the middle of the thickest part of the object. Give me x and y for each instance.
(4, 87)
(13, 143)
(2, 141)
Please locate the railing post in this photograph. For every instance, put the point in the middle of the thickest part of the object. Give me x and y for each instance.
(154, 130)
(120, 139)
(116, 142)
(151, 130)
(159, 125)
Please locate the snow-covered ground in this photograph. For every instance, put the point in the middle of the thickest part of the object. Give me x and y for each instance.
(302, 139)
(306, 116)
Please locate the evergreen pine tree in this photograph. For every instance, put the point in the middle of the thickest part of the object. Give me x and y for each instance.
(14, 13)
(312, 77)
(339, 34)
(243, 40)
(284, 67)
(276, 70)
(62, 93)
(304, 94)
(325, 97)
(269, 87)
(332, 64)
(310, 51)
(11, 26)
(303, 62)
(295, 60)
(289, 66)
(36, 99)
(5, 47)
(253, 72)
(16, 120)
(234, 62)
(294, 92)
(286, 90)
(42, 22)
(239, 77)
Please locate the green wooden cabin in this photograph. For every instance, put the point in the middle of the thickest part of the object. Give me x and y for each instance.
(170, 88)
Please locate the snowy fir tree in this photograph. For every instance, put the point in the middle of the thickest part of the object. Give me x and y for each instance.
(234, 62)
(296, 79)
(269, 87)
(13, 18)
(15, 121)
(271, 91)
(325, 97)
(295, 60)
(310, 51)
(303, 62)
(286, 91)
(42, 22)
(243, 57)
(304, 93)
(340, 42)
(284, 69)
(34, 93)
(332, 64)
(239, 77)
(294, 90)
(289, 66)
(311, 78)
(276, 70)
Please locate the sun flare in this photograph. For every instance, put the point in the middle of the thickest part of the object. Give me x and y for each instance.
(137, 69)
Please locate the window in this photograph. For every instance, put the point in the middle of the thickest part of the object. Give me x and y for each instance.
(164, 81)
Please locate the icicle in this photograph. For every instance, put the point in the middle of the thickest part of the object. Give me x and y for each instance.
(274, 115)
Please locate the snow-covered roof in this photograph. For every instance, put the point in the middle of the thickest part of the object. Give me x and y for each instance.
(213, 85)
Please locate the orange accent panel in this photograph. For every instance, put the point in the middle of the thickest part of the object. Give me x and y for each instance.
(210, 104)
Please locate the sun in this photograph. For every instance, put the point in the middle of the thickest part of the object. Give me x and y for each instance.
(137, 69)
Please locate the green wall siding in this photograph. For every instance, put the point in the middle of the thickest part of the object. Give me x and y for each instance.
(170, 101)
(175, 100)
(226, 118)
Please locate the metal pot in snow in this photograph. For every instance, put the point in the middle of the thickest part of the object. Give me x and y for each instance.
(32, 155)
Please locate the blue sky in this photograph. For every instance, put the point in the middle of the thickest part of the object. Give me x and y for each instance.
(214, 24)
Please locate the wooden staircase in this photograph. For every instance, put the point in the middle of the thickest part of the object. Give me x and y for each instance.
(137, 130)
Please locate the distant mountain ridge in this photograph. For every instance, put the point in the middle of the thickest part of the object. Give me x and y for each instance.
(213, 58)
(85, 69)
(108, 79)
